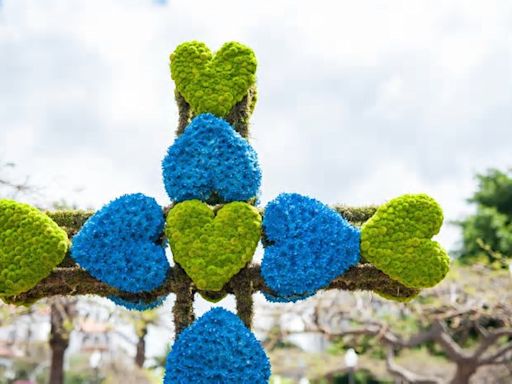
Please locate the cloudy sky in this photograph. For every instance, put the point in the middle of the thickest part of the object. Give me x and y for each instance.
(360, 101)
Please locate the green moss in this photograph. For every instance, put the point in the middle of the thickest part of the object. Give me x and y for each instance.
(212, 246)
(213, 83)
(397, 240)
(397, 298)
(70, 220)
(15, 300)
(31, 245)
(355, 215)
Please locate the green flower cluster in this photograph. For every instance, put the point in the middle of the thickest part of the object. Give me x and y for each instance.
(31, 245)
(397, 240)
(213, 83)
(210, 247)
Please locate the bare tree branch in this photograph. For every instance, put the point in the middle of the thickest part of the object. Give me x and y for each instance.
(452, 349)
(498, 355)
(404, 374)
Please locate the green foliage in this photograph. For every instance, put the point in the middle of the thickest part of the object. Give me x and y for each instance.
(213, 83)
(281, 380)
(361, 376)
(212, 248)
(31, 245)
(397, 240)
(487, 234)
(362, 344)
(80, 378)
(495, 190)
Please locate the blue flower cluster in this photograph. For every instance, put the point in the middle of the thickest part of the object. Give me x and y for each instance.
(211, 159)
(120, 244)
(309, 245)
(138, 305)
(217, 348)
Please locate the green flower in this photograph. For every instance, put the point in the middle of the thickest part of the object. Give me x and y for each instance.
(397, 240)
(212, 247)
(31, 245)
(213, 83)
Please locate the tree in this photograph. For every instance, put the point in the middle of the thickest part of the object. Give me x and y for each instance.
(62, 313)
(10, 186)
(141, 322)
(487, 234)
(62, 310)
(470, 329)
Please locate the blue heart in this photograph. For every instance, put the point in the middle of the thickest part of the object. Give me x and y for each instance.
(210, 158)
(217, 348)
(309, 245)
(137, 304)
(120, 244)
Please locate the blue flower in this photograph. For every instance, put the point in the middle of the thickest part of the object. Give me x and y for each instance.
(120, 244)
(217, 348)
(137, 305)
(309, 245)
(210, 159)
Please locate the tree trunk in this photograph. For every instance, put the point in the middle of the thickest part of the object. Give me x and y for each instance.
(57, 364)
(140, 356)
(62, 310)
(464, 372)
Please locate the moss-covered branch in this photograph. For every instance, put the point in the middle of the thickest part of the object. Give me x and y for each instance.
(72, 220)
(238, 117)
(71, 281)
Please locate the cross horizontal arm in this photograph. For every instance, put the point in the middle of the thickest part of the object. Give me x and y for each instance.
(69, 279)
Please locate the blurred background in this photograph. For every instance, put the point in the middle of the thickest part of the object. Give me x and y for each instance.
(359, 102)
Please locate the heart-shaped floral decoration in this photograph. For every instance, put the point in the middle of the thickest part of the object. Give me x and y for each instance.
(213, 83)
(210, 247)
(397, 240)
(217, 348)
(138, 304)
(211, 160)
(308, 245)
(31, 245)
(120, 244)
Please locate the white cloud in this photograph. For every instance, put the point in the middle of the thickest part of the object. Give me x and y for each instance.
(359, 101)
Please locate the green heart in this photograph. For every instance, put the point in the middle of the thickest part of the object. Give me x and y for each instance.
(212, 248)
(31, 245)
(213, 83)
(397, 240)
